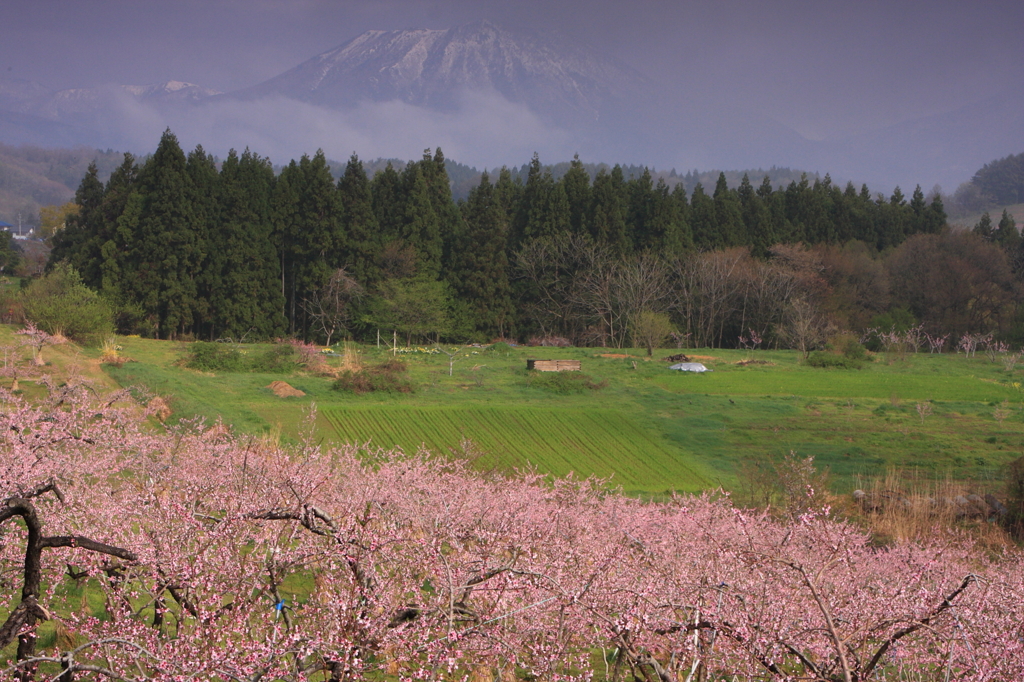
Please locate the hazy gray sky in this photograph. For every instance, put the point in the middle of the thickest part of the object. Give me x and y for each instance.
(825, 69)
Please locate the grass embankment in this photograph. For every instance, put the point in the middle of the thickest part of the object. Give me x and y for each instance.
(648, 429)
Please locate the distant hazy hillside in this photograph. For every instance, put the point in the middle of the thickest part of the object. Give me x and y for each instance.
(33, 114)
(997, 185)
(31, 177)
(1002, 180)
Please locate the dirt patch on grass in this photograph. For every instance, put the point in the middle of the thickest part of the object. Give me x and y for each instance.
(615, 355)
(284, 390)
(683, 357)
(216, 432)
(744, 363)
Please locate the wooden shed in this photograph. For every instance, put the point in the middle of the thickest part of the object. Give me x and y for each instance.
(554, 365)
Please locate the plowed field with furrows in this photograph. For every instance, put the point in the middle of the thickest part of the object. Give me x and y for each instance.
(557, 441)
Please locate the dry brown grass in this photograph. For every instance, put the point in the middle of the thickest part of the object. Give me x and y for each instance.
(350, 360)
(905, 508)
(159, 408)
(110, 353)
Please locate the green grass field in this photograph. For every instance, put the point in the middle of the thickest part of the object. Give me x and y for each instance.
(560, 441)
(648, 429)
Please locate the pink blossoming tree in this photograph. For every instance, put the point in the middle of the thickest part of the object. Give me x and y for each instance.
(226, 558)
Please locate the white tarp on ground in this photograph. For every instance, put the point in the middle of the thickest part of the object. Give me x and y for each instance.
(690, 367)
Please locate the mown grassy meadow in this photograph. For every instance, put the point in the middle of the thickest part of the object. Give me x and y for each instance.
(645, 428)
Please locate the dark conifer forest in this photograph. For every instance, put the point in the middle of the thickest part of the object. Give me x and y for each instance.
(185, 246)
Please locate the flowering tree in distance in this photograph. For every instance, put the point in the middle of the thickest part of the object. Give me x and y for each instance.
(223, 558)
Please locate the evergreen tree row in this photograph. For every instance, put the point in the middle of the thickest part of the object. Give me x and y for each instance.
(182, 247)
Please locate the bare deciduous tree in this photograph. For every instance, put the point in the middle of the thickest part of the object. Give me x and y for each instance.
(330, 307)
(706, 293)
(614, 293)
(807, 328)
(553, 270)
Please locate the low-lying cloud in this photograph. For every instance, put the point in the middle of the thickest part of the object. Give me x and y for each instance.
(485, 129)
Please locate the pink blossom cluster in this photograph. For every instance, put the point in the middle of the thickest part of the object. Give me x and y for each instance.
(231, 558)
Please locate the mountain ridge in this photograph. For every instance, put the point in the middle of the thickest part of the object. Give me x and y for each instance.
(492, 95)
(425, 66)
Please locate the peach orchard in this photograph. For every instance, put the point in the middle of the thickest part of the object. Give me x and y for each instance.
(230, 558)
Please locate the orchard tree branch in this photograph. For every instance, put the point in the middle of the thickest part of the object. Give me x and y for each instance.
(21, 622)
(69, 666)
(829, 620)
(946, 604)
(77, 541)
(28, 609)
(308, 517)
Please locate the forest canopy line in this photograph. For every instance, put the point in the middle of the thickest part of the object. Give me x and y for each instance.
(181, 248)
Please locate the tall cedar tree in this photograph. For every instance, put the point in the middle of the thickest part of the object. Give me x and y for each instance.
(640, 210)
(543, 208)
(386, 195)
(983, 228)
(249, 301)
(508, 193)
(775, 202)
(122, 205)
(1006, 234)
(669, 234)
(479, 272)
(936, 219)
(258, 179)
(843, 212)
(449, 218)
(706, 235)
(79, 242)
(821, 226)
(918, 211)
(360, 254)
(608, 212)
(867, 214)
(799, 209)
(756, 219)
(168, 248)
(576, 185)
(317, 238)
(284, 214)
(421, 227)
(678, 196)
(894, 220)
(526, 199)
(728, 216)
(206, 207)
